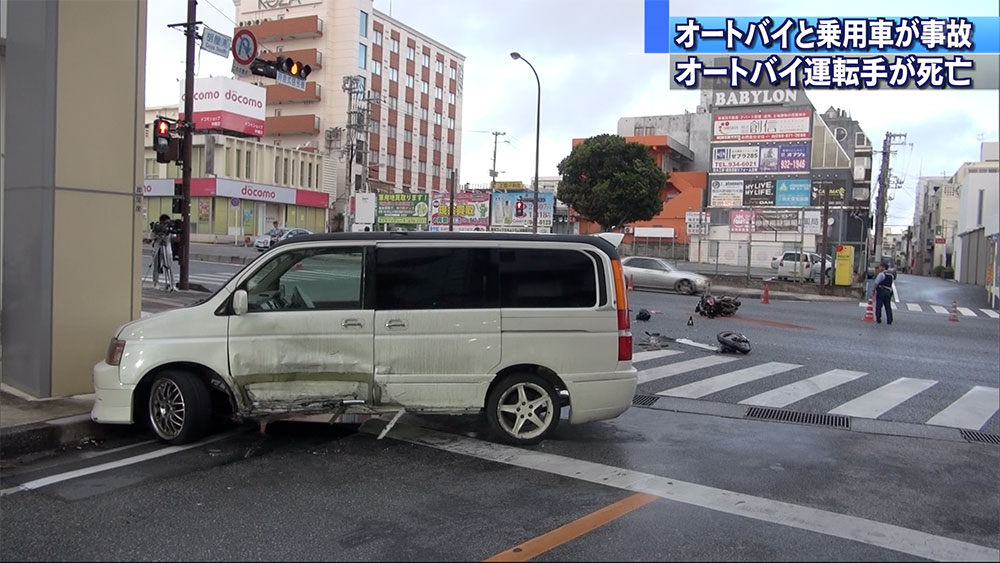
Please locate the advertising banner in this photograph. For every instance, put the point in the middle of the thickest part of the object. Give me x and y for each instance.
(773, 220)
(726, 193)
(811, 222)
(740, 220)
(226, 104)
(400, 209)
(472, 212)
(736, 159)
(505, 209)
(758, 193)
(836, 190)
(775, 126)
(257, 192)
(793, 192)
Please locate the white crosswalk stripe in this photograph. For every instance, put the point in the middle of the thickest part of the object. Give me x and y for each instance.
(943, 310)
(793, 392)
(722, 382)
(971, 411)
(939, 309)
(647, 355)
(880, 401)
(914, 307)
(967, 312)
(991, 313)
(670, 370)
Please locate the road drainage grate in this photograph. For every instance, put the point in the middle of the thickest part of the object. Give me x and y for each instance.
(973, 436)
(780, 415)
(644, 400)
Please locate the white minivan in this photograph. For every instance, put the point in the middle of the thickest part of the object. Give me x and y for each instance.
(515, 325)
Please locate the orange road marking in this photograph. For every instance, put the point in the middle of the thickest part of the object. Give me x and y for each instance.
(563, 534)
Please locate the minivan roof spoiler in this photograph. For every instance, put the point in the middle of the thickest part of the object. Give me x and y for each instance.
(614, 238)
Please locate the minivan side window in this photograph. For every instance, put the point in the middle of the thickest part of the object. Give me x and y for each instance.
(547, 278)
(408, 278)
(308, 279)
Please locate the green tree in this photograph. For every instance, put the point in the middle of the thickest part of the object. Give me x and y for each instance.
(611, 182)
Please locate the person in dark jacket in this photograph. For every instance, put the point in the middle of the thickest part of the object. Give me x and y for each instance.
(883, 294)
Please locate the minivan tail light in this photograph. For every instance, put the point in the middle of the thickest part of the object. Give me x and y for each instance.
(115, 351)
(624, 322)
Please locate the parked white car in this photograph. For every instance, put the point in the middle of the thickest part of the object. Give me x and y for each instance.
(515, 325)
(794, 265)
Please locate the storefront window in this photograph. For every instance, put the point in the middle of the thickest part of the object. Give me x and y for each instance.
(222, 216)
(247, 210)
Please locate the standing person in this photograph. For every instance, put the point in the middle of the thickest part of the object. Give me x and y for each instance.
(883, 294)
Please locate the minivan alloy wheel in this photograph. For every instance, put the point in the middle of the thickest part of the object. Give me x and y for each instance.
(523, 409)
(166, 408)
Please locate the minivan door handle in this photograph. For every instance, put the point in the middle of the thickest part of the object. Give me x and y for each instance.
(395, 323)
(352, 323)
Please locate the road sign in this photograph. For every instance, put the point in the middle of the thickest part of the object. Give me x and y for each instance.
(216, 43)
(235, 202)
(244, 47)
(240, 70)
(509, 185)
(289, 80)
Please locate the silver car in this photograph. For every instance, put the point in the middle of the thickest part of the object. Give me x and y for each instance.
(657, 273)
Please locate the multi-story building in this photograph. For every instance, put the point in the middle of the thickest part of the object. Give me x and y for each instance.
(383, 102)
(978, 222)
(922, 256)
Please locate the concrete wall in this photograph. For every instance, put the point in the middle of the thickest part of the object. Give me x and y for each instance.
(70, 186)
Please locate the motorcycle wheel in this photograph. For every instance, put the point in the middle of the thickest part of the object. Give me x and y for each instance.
(734, 341)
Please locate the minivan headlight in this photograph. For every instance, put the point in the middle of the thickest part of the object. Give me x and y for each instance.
(115, 351)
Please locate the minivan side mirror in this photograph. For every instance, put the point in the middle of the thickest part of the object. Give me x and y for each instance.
(240, 302)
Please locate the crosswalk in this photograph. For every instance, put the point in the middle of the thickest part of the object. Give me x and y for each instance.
(941, 310)
(973, 410)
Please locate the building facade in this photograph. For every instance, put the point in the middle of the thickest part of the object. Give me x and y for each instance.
(239, 186)
(924, 226)
(978, 225)
(383, 103)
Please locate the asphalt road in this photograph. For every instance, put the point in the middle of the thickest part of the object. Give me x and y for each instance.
(651, 485)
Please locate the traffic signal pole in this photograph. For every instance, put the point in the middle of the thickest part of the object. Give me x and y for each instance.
(190, 31)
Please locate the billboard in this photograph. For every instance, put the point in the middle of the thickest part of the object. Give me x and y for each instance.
(228, 105)
(726, 193)
(837, 192)
(793, 192)
(505, 209)
(775, 126)
(758, 193)
(740, 220)
(402, 209)
(472, 212)
(736, 158)
(774, 220)
(786, 157)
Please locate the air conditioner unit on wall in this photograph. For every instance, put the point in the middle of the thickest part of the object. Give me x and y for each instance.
(628, 230)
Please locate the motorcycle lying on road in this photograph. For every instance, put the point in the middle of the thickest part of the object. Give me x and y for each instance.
(712, 307)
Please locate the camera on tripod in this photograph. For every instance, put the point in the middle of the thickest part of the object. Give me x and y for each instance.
(173, 227)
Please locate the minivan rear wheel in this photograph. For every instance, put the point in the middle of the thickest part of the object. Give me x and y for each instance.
(179, 407)
(523, 409)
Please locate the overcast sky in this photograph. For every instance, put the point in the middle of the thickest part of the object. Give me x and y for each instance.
(589, 57)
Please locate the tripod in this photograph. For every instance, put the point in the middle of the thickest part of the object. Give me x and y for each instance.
(162, 261)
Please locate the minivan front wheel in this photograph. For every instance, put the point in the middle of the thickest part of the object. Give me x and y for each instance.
(523, 409)
(180, 407)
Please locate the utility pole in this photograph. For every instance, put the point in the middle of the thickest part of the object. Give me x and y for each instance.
(451, 204)
(826, 240)
(190, 30)
(493, 171)
(883, 189)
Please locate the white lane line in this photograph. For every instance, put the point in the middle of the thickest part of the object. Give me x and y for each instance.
(647, 355)
(697, 344)
(59, 478)
(914, 307)
(971, 411)
(880, 401)
(894, 307)
(991, 313)
(865, 304)
(966, 311)
(939, 309)
(793, 392)
(718, 383)
(670, 370)
(870, 532)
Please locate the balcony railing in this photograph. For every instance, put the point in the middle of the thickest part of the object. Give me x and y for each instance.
(292, 125)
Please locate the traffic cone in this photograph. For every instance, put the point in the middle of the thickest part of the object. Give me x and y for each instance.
(869, 312)
(690, 321)
(953, 317)
(766, 299)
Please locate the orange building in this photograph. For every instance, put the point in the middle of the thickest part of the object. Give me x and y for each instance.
(683, 192)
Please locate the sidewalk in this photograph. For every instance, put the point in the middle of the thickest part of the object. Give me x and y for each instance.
(225, 253)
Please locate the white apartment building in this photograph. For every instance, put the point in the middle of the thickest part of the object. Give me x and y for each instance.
(978, 225)
(411, 106)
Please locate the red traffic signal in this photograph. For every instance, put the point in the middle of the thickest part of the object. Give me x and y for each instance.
(519, 209)
(162, 128)
(166, 147)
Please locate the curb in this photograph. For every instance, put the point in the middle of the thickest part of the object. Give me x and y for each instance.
(214, 258)
(54, 434)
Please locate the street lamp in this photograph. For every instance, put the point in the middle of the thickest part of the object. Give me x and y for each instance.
(538, 129)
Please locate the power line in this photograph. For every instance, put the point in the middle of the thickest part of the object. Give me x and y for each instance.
(220, 11)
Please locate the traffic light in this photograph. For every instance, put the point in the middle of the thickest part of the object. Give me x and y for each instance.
(519, 209)
(178, 199)
(294, 68)
(167, 146)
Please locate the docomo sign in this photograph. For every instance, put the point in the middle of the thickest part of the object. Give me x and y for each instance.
(258, 192)
(219, 94)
